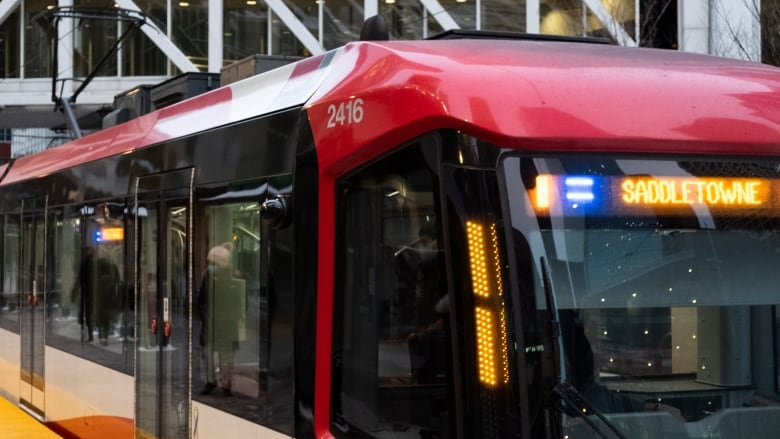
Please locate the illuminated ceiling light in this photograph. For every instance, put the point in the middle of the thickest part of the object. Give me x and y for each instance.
(390, 2)
(184, 4)
(251, 2)
(50, 7)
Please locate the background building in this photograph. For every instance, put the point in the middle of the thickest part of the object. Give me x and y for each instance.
(42, 39)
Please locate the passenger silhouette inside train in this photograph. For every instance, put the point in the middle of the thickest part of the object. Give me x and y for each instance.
(220, 303)
(422, 263)
(95, 291)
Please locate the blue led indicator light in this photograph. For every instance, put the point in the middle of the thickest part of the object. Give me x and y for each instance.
(579, 189)
(579, 196)
(579, 181)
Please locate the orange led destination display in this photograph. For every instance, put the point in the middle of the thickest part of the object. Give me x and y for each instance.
(106, 234)
(633, 194)
(667, 191)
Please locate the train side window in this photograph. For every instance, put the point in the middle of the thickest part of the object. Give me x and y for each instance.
(242, 308)
(9, 297)
(392, 356)
(89, 313)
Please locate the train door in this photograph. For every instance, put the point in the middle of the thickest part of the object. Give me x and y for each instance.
(163, 258)
(32, 271)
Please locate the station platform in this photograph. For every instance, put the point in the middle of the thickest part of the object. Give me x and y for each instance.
(15, 423)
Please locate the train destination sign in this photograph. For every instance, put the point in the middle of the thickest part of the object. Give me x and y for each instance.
(663, 194)
(692, 191)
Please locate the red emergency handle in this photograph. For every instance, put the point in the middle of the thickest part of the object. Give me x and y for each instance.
(167, 329)
(154, 325)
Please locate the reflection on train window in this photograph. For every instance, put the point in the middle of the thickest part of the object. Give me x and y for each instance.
(391, 342)
(242, 311)
(88, 307)
(9, 296)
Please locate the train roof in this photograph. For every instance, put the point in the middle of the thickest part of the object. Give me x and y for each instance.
(535, 95)
(538, 95)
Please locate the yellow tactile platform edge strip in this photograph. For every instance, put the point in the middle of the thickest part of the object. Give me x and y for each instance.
(15, 423)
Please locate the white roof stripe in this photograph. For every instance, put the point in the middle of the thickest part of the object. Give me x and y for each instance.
(277, 89)
(284, 87)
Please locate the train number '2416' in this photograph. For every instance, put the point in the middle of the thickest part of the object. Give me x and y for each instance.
(345, 113)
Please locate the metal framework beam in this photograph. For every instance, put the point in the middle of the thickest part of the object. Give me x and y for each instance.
(370, 8)
(532, 16)
(6, 8)
(53, 17)
(161, 40)
(613, 27)
(215, 35)
(440, 14)
(296, 27)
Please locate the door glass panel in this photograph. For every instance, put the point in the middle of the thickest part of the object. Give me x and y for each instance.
(9, 297)
(62, 308)
(32, 306)
(174, 327)
(162, 360)
(148, 355)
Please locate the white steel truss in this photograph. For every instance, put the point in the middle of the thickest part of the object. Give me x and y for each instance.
(161, 40)
(6, 8)
(296, 27)
(613, 27)
(441, 15)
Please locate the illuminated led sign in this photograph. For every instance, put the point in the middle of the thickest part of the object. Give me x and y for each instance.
(633, 194)
(107, 234)
(692, 191)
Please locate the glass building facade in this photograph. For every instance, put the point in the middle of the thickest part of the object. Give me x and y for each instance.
(274, 27)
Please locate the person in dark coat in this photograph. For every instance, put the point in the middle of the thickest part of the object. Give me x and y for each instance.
(95, 290)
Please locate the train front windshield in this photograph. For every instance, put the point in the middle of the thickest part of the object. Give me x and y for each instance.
(664, 279)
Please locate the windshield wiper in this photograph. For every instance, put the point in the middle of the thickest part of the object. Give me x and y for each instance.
(563, 390)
